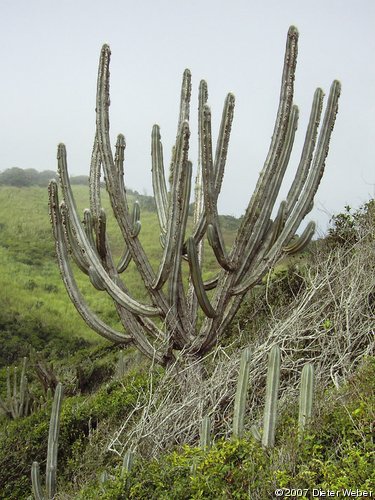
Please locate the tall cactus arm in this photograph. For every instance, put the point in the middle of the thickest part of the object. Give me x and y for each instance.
(307, 151)
(135, 214)
(175, 221)
(258, 230)
(176, 290)
(207, 164)
(304, 204)
(199, 212)
(223, 142)
(158, 178)
(215, 237)
(278, 138)
(221, 150)
(75, 295)
(115, 189)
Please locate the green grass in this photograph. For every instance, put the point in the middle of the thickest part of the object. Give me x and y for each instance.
(34, 306)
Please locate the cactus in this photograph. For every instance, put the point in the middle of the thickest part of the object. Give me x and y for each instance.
(167, 322)
(205, 433)
(127, 462)
(272, 389)
(51, 466)
(121, 366)
(305, 399)
(241, 394)
(17, 402)
(270, 410)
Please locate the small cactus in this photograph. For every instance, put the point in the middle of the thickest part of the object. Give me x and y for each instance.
(205, 433)
(17, 402)
(127, 463)
(305, 399)
(51, 466)
(272, 389)
(241, 394)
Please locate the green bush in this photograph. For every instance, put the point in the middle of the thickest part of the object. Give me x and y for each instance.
(338, 453)
(25, 440)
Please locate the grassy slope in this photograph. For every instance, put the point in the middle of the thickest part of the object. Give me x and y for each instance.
(33, 301)
(34, 308)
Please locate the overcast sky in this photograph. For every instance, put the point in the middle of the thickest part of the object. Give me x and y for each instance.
(49, 56)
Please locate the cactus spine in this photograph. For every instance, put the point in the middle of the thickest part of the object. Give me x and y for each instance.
(305, 399)
(272, 389)
(167, 321)
(51, 466)
(241, 393)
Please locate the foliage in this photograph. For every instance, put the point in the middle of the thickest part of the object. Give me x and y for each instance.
(25, 440)
(350, 226)
(338, 453)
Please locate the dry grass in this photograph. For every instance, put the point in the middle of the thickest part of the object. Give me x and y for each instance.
(330, 323)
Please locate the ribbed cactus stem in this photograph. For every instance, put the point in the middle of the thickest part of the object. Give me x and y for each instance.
(241, 393)
(272, 389)
(53, 438)
(205, 433)
(35, 481)
(128, 461)
(305, 399)
(52, 448)
(17, 400)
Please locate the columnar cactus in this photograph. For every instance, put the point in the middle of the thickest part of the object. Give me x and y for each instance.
(17, 402)
(272, 390)
(241, 393)
(51, 466)
(205, 433)
(167, 323)
(305, 399)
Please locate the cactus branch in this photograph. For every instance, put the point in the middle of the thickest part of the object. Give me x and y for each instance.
(167, 320)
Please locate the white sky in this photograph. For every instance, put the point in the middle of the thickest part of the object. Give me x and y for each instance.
(49, 55)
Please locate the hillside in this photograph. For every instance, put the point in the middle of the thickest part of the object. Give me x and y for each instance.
(317, 308)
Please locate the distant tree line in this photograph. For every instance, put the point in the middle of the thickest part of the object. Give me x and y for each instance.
(26, 177)
(21, 177)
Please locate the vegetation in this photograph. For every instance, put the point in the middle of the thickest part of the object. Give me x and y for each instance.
(286, 399)
(168, 326)
(105, 408)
